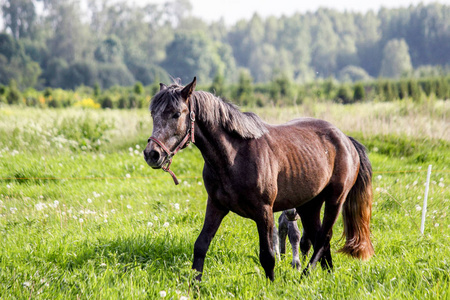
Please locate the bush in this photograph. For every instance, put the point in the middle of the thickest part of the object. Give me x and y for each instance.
(54, 103)
(344, 95)
(97, 90)
(31, 101)
(14, 95)
(122, 103)
(389, 90)
(106, 102)
(79, 73)
(358, 92)
(138, 88)
(47, 92)
(414, 90)
(402, 89)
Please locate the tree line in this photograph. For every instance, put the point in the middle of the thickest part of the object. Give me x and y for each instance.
(61, 44)
(279, 92)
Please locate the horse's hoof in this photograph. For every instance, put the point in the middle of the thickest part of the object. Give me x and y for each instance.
(305, 272)
(295, 264)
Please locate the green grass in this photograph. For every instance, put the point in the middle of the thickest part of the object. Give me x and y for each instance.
(89, 219)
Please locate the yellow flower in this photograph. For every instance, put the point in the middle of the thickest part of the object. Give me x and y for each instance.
(87, 103)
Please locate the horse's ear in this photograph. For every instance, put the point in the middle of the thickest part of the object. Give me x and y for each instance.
(189, 89)
(162, 86)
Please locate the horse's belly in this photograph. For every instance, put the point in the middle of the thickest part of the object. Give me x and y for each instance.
(296, 189)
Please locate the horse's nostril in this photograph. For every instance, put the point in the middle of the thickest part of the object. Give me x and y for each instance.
(154, 155)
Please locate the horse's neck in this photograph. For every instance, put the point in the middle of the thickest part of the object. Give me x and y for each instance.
(217, 146)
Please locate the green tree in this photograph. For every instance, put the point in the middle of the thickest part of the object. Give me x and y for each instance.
(218, 85)
(324, 44)
(109, 75)
(19, 17)
(244, 91)
(15, 64)
(192, 55)
(70, 39)
(353, 73)
(368, 37)
(396, 60)
(109, 51)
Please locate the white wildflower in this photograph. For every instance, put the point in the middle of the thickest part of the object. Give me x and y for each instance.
(40, 206)
(166, 224)
(163, 294)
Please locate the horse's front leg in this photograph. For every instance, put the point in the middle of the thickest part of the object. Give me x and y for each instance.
(213, 218)
(264, 222)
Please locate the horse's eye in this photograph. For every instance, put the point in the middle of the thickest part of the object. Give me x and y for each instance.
(176, 115)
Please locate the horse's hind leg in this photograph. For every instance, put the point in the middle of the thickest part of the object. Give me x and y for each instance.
(322, 252)
(310, 217)
(305, 244)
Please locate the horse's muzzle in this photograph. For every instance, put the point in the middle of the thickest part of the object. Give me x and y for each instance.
(153, 158)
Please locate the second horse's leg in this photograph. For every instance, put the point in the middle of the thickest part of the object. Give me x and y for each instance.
(294, 239)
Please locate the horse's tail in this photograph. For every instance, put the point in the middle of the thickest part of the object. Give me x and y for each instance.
(357, 210)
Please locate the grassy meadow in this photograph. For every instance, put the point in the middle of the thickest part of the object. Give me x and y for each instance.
(82, 215)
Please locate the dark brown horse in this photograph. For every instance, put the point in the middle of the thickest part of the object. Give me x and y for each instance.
(254, 169)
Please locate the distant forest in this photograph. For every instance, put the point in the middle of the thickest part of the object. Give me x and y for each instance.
(52, 43)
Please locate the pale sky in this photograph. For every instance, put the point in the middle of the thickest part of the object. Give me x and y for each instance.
(234, 10)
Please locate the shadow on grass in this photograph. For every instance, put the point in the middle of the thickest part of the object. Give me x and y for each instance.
(128, 252)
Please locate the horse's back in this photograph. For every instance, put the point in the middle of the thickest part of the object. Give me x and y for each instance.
(310, 154)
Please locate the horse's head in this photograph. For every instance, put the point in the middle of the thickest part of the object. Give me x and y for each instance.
(172, 124)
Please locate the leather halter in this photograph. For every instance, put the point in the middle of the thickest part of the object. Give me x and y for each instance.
(188, 138)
